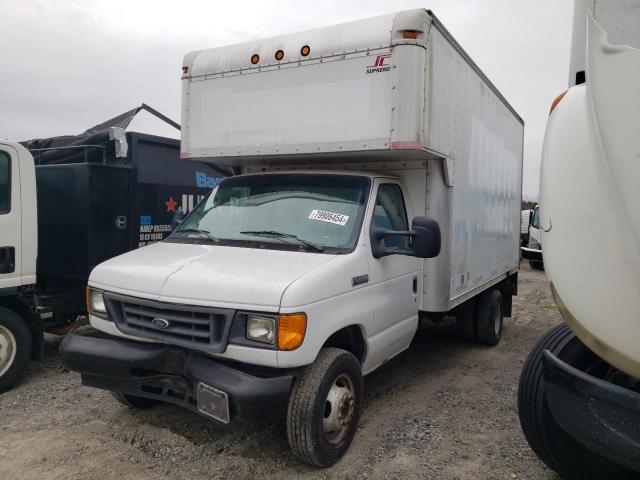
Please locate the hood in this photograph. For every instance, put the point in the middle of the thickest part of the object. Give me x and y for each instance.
(206, 274)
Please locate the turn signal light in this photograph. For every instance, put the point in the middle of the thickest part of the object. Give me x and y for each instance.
(556, 101)
(291, 330)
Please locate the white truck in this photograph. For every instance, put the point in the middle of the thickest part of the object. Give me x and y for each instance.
(380, 184)
(579, 395)
(532, 251)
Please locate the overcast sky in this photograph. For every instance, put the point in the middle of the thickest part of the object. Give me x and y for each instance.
(69, 64)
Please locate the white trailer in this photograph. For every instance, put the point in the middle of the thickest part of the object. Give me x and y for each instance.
(290, 282)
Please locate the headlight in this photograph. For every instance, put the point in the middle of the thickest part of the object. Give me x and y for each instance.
(95, 301)
(261, 329)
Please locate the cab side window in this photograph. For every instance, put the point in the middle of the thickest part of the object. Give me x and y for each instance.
(5, 183)
(535, 221)
(390, 213)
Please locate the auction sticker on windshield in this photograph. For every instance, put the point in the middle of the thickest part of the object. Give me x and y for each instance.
(330, 217)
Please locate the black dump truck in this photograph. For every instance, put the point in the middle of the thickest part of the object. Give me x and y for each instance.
(99, 194)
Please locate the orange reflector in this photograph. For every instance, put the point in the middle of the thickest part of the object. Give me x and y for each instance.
(185, 70)
(255, 58)
(556, 101)
(291, 330)
(86, 297)
(306, 50)
(410, 34)
(279, 55)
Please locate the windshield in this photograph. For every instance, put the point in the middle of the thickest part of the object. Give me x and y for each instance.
(315, 212)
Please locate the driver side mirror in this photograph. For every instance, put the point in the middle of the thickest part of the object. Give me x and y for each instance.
(177, 219)
(424, 234)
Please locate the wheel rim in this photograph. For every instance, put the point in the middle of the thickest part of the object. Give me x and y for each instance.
(8, 349)
(339, 409)
(497, 320)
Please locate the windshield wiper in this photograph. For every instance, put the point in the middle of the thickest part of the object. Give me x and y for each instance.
(272, 233)
(202, 233)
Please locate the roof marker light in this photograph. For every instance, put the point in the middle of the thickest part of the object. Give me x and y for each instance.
(412, 34)
(255, 58)
(305, 51)
(279, 55)
(556, 101)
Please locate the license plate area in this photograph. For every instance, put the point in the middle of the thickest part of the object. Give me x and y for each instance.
(213, 403)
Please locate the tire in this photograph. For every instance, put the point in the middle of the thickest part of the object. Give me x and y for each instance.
(536, 265)
(489, 317)
(313, 437)
(15, 348)
(466, 321)
(133, 401)
(559, 451)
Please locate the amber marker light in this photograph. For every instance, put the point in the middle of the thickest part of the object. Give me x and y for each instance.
(279, 55)
(556, 101)
(305, 51)
(255, 58)
(412, 34)
(291, 330)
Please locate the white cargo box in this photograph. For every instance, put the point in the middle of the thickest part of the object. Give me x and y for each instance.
(394, 92)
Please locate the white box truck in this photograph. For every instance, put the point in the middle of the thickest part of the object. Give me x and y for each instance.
(313, 267)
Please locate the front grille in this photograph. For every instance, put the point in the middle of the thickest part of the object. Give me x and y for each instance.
(203, 328)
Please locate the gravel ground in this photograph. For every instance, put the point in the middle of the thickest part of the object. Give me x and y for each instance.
(441, 410)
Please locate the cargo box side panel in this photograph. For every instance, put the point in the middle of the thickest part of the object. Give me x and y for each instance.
(109, 221)
(63, 212)
(481, 136)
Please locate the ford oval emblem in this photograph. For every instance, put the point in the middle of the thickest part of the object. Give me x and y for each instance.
(160, 323)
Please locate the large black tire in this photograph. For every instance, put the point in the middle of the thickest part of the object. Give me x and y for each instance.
(466, 320)
(132, 401)
(536, 265)
(310, 408)
(489, 317)
(561, 452)
(16, 344)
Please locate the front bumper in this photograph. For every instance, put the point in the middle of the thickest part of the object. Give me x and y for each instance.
(602, 416)
(532, 254)
(171, 374)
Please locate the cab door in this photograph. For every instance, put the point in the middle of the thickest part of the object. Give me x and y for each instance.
(10, 219)
(394, 279)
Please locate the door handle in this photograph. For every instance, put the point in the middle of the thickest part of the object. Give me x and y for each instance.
(415, 284)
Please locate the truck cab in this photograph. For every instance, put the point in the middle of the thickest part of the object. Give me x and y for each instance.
(20, 335)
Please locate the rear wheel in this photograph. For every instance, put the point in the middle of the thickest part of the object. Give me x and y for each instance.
(133, 401)
(324, 408)
(557, 449)
(489, 317)
(536, 265)
(15, 348)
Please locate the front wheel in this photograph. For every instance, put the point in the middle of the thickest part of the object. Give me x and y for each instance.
(554, 446)
(15, 348)
(324, 408)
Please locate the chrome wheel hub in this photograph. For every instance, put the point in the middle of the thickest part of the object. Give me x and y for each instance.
(339, 409)
(8, 349)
